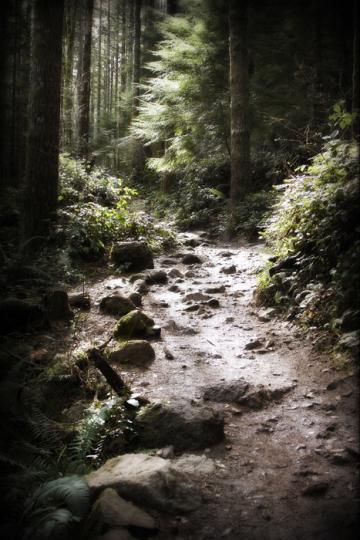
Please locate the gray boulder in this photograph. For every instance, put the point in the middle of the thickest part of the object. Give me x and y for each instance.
(134, 256)
(150, 481)
(112, 510)
(138, 353)
(242, 393)
(181, 424)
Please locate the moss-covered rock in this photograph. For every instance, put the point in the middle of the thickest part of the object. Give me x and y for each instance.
(134, 324)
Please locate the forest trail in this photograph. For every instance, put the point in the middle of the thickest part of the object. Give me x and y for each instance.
(305, 440)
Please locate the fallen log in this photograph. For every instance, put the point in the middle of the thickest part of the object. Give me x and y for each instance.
(112, 378)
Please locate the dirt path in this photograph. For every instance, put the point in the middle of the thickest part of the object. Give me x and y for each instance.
(270, 456)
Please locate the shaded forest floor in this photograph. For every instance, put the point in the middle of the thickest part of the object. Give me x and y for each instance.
(287, 469)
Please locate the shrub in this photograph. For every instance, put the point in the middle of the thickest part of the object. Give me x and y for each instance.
(314, 226)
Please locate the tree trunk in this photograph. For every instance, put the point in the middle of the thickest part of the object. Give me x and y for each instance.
(137, 55)
(4, 93)
(42, 152)
(356, 74)
(171, 7)
(84, 96)
(99, 71)
(68, 65)
(239, 104)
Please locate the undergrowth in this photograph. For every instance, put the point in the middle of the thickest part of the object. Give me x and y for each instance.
(313, 233)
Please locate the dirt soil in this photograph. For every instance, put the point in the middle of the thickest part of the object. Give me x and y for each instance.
(308, 439)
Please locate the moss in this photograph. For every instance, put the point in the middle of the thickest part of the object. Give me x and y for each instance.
(134, 324)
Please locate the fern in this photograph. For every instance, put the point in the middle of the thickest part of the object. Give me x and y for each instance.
(54, 508)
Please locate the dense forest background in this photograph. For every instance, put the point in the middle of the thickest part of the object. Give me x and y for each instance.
(133, 120)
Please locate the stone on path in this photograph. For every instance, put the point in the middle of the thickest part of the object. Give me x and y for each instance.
(174, 273)
(196, 297)
(216, 289)
(135, 353)
(191, 258)
(80, 300)
(229, 269)
(136, 324)
(242, 393)
(267, 314)
(224, 392)
(156, 276)
(116, 304)
(181, 424)
(133, 256)
(112, 510)
(149, 481)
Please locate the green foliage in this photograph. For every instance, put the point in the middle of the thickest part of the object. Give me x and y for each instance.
(315, 221)
(251, 214)
(54, 509)
(184, 102)
(95, 209)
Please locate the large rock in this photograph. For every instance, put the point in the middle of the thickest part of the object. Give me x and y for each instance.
(116, 304)
(181, 424)
(133, 256)
(150, 481)
(241, 392)
(112, 510)
(135, 324)
(138, 353)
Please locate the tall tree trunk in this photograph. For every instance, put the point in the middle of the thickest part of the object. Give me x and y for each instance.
(171, 7)
(42, 152)
(71, 9)
(84, 96)
(5, 122)
(137, 55)
(123, 47)
(239, 104)
(99, 71)
(356, 73)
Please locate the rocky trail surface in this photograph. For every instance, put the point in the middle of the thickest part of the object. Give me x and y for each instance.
(286, 467)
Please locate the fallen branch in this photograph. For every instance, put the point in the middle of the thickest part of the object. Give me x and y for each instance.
(112, 378)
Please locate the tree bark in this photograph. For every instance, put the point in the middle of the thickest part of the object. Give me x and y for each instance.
(70, 19)
(171, 7)
(5, 123)
(42, 151)
(239, 102)
(355, 73)
(112, 378)
(137, 55)
(84, 96)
